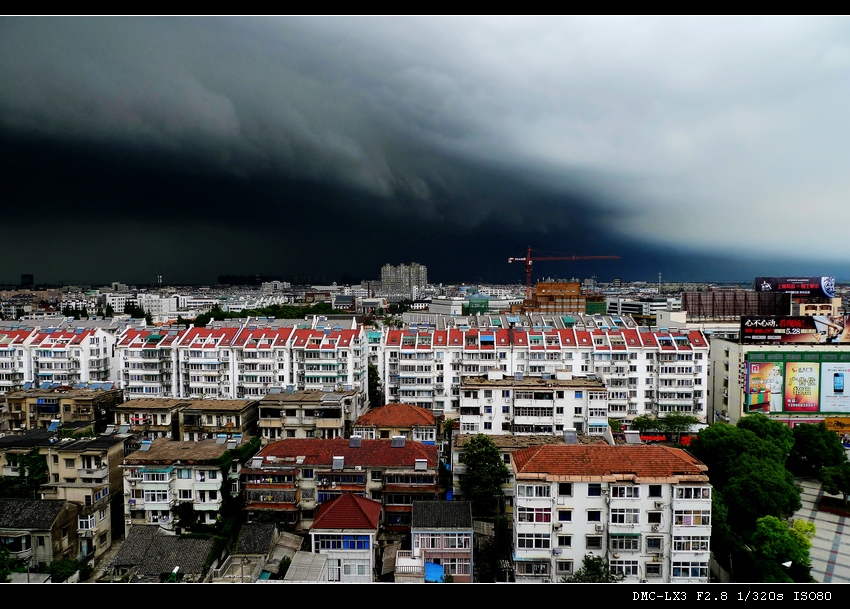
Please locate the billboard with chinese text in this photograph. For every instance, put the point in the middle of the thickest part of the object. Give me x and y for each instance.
(801, 286)
(797, 382)
(775, 329)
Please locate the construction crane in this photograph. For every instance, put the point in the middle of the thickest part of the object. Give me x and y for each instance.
(528, 259)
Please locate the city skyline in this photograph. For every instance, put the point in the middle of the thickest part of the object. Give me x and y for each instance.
(190, 148)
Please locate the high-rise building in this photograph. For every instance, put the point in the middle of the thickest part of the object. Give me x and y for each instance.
(402, 279)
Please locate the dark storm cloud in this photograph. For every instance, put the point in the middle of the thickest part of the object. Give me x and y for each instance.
(335, 145)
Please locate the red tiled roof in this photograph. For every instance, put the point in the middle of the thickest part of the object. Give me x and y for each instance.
(348, 511)
(398, 415)
(318, 452)
(595, 460)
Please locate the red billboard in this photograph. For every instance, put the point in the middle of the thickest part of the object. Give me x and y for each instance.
(775, 329)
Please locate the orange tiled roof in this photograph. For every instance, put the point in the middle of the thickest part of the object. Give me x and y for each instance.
(320, 453)
(348, 511)
(594, 460)
(398, 415)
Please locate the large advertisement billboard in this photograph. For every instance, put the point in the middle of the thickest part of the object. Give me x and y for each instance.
(797, 383)
(801, 286)
(775, 329)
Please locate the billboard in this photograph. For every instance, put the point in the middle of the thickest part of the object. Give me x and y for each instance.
(792, 383)
(801, 286)
(776, 329)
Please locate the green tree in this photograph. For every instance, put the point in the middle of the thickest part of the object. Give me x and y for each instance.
(485, 472)
(677, 423)
(759, 487)
(62, 569)
(778, 541)
(644, 423)
(594, 570)
(109, 311)
(778, 434)
(615, 425)
(376, 393)
(6, 565)
(835, 480)
(815, 447)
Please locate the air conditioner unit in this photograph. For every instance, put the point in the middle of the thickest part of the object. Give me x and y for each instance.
(599, 528)
(655, 527)
(557, 526)
(656, 558)
(659, 505)
(604, 491)
(128, 521)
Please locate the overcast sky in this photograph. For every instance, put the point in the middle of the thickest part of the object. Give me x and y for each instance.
(698, 148)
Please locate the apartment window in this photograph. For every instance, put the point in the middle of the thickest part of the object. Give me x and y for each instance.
(56, 459)
(654, 490)
(533, 540)
(693, 492)
(625, 542)
(184, 474)
(594, 516)
(653, 517)
(690, 569)
(625, 492)
(625, 516)
(627, 568)
(565, 489)
(69, 463)
(534, 490)
(529, 514)
(579, 395)
(184, 494)
(290, 433)
(692, 518)
(594, 489)
(690, 543)
(564, 567)
(565, 541)
(488, 425)
(593, 542)
(654, 544)
(652, 569)
(376, 475)
(565, 515)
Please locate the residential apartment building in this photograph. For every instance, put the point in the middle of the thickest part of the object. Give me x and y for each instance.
(306, 414)
(646, 370)
(394, 420)
(71, 355)
(87, 472)
(521, 405)
(646, 509)
(165, 473)
(295, 476)
(346, 531)
(442, 534)
(13, 350)
(147, 362)
(404, 279)
(57, 405)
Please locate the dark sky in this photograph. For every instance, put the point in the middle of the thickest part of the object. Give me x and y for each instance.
(704, 149)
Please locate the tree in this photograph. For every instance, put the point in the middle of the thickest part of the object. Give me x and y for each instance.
(6, 564)
(835, 480)
(594, 570)
(678, 423)
(772, 431)
(485, 472)
(644, 423)
(777, 542)
(759, 487)
(815, 447)
(376, 393)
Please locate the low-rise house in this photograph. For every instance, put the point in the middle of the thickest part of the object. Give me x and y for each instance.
(208, 419)
(151, 418)
(442, 534)
(305, 414)
(166, 474)
(39, 531)
(346, 531)
(412, 422)
(87, 472)
(55, 405)
(294, 477)
(150, 555)
(646, 509)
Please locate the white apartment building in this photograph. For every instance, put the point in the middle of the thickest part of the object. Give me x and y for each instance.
(646, 509)
(70, 356)
(645, 370)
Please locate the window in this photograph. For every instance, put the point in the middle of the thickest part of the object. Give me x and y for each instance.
(627, 568)
(654, 545)
(652, 569)
(488, 425)
(565, 489)
(529, 514)
(184, 474)
(69, 463)
(579, 395)
(593, 542)
(185, 494)
(653, 517)
(376, 475)
(655, 490)
(625, 516)
(594, 516)
(534, 490)
(533, 540)
(693, 492)
(594, 489)
(625, 492)
(565, 541)
(307, 474)
(625, 542)
(690, 543)
(690, 569)
(692, 518)
(565, 515)
(564, 567)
